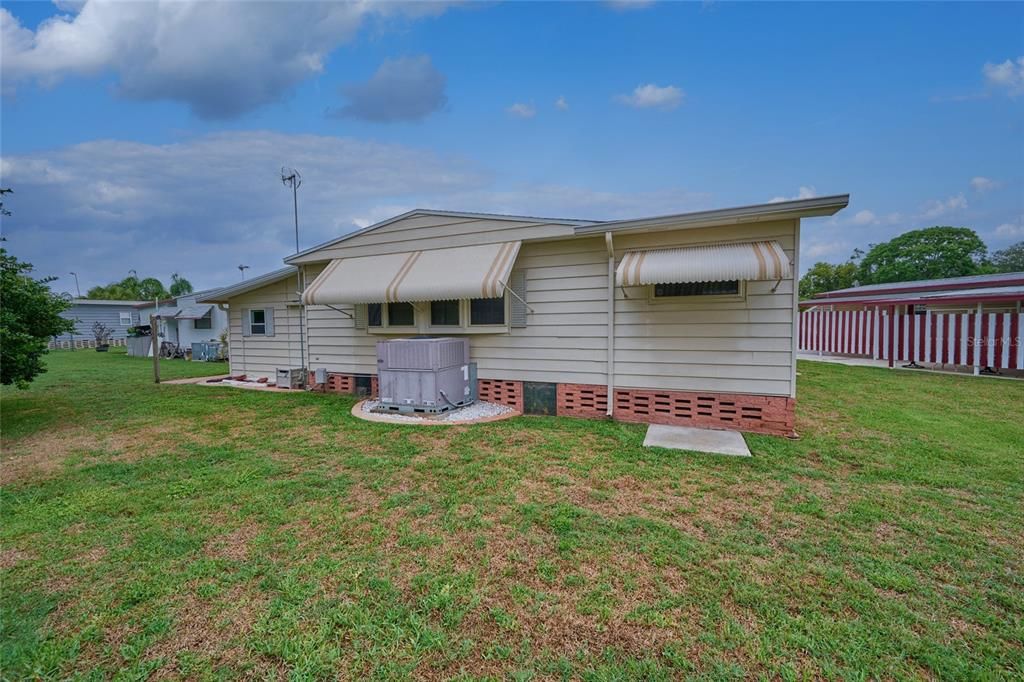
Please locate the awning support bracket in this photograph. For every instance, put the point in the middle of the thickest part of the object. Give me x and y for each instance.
(339, 310)
(518, 297)
(776, 285)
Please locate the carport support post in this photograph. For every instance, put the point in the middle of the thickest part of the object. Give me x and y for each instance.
(892, 335)
(156, 349)
(978, 346)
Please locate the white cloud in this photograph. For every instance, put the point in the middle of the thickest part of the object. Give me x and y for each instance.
(652, 96)
(203, 205)
(822, 250)
(937, 208)
(561, 104)
(802, 193)
(521, 110)
(1011, 230)
(1008, 76)
(404, 89)
(220, 58)
(982, 184)
(864, 218)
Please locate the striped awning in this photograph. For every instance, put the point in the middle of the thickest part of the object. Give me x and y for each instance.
(709, 263)
(479, 271)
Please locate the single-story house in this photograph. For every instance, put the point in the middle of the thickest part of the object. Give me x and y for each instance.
(184, 321)
(972, 321)
(118, 316)
(682, 319)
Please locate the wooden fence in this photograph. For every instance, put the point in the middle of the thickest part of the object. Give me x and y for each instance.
(969, 339)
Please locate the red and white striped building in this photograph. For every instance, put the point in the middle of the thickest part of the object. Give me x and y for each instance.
(959, 322)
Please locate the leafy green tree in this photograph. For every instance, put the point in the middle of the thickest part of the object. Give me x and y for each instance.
(130, 288)
(827, 277)
(29, 318)
(180, 286)
(931, 253)
(1010, 259)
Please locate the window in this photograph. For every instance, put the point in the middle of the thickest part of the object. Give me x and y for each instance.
(381, 315)
(125, 319)
(729, 288)
(444, 314)
(374, 315)
(401, 315)
(258, 322)
(204, 322)
(486, 311)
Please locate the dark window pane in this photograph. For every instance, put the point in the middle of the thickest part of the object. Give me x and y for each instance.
(401, 315)
(487, 311)
(204, 322)
(373, 314)
(697, 289)
(259, 316)
(444, 313)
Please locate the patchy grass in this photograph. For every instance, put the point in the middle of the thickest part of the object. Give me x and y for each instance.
(183, 531)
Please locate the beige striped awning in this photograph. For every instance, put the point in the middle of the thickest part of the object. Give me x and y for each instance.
(708, 263)
(479, 271)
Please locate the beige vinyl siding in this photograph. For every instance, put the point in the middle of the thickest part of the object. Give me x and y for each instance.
(742, 346)
(261, 356)
(707, 344)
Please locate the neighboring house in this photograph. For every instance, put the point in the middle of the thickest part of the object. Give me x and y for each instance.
(184, 321)
(972, 321)
(682, 319)
(117, 316)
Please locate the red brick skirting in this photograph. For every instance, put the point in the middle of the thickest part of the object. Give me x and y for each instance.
(336, 383)
(757, 413)
(508, 393)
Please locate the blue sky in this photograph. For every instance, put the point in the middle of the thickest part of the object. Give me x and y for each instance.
(158, 149)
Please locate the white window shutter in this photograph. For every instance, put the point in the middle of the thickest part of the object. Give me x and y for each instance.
(360, 316)
(517, 283)
(246, 322)
(269, 317)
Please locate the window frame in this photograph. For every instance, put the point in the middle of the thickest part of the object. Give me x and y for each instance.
(253, 322)
(120, 319)
(423, 323)
(208, 318)
(386, 327)
(741, 295)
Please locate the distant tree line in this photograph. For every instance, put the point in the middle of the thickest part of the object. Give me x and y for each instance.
(930, 253)
(132, 288)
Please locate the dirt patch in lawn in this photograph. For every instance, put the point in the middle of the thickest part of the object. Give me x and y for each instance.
(211, 630)
(9, 557)
(233, 545)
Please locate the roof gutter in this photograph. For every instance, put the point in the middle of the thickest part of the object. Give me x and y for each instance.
(799, 208)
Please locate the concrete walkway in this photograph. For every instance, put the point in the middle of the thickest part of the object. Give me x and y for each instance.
(842, 360)
(696, 440)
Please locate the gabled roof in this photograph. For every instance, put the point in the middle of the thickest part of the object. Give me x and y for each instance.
(780, 210)
(223, 294)
(447, 214)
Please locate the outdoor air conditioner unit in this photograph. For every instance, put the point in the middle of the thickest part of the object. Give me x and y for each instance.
(426, 375)
(293, 377)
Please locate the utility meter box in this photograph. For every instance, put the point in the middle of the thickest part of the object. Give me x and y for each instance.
(425, 375)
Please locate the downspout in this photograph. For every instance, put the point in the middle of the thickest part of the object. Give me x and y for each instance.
(300, 274)
(609, 244)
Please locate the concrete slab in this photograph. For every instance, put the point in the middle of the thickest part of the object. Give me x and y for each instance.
(698, 440)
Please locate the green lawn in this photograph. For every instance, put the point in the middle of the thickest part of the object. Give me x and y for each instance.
(215, 533)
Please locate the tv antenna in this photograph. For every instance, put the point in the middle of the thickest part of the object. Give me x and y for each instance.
(242, 269)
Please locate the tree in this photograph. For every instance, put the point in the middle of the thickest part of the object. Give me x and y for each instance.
(1010, 259)
(828, 277)
(931, 253)
(29, 318)
(130, 288)
(180, 286)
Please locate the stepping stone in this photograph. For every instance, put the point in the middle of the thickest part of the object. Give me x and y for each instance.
(697, 440)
